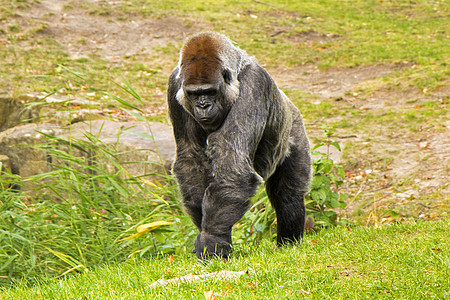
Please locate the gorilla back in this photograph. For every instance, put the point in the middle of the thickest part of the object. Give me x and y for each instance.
(233, 129)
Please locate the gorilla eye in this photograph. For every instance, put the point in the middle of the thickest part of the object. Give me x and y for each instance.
(207, 92)
(226, 76)
(190, 93)
(211, 92)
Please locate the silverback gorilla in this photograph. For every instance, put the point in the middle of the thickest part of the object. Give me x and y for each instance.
(234, 128)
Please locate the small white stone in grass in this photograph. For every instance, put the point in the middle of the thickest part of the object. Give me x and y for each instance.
(192, 278)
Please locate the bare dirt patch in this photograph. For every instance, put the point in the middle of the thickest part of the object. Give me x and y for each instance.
(83, 33)
(332, 82)
(113, 40)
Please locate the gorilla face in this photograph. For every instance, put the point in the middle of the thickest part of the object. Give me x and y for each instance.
(208, 101)
(205, 104)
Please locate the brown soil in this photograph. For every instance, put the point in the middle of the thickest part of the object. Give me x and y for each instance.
(332, 83)
(421, 157)
(83, 33)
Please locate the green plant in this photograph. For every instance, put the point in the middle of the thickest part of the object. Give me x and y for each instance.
(258, 223)
(327, 177)
(74, 217)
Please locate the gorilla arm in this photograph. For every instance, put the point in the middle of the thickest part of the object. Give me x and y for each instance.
(191, 165)
(231, 150)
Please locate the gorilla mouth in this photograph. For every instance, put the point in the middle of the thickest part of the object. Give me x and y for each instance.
(209, 123)
(206, 120)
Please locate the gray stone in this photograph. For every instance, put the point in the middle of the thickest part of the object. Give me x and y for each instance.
(147, 147)
(5, 163)
(13, 111)
(33, 107)
(58, 108)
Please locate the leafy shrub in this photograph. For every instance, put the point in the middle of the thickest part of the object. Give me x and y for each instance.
(323, 197)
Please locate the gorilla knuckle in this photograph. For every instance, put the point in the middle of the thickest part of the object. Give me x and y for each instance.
(209, 246)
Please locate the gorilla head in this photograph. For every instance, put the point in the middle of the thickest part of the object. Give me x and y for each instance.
(234, 128)
(209, 88)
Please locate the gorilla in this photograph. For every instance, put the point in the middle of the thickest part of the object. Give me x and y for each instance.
(234, 129)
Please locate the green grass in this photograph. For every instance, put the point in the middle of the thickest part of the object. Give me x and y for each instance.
(404, 261)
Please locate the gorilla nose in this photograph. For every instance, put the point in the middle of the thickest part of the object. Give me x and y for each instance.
(204, 106)
(204, 112)
(204, 109)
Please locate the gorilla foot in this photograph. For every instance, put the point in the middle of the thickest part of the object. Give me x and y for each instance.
(209, 246)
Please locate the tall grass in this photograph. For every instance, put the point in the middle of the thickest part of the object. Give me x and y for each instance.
(76, 213)
(75, 216)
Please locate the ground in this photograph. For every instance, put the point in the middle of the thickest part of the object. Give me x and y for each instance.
(391, 167)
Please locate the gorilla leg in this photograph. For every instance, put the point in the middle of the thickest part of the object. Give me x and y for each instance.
(286, 189)
(190, 170)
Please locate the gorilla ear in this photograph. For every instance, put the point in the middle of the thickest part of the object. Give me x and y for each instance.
(227, 76)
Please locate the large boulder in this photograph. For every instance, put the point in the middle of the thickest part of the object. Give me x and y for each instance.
(54, 108)
(150, 146)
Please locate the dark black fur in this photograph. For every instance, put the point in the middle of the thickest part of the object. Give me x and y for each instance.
(228, 145)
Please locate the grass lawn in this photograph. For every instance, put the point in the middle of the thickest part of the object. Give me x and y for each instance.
(403, 261)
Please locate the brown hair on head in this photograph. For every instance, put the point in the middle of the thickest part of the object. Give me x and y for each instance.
(200, 60)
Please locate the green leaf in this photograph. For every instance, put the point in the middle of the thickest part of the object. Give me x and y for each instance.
(123, 102)
(318, 145)
(8, 262)
(340, 171)
(141, 134)
(336, 145)
(322, 194)
(318, 153)
(140, 117)
(159, 237)
(334, 203)
(326, 166)
(315, 196)
(336, 180)
(316, 181)
(325, 180)
(77, 74)
(132, 91)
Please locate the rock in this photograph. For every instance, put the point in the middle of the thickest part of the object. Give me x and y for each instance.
(5, 164)
(132, 140)
(53, 108)
(12, 112)
(5, 167)
(62, 109)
